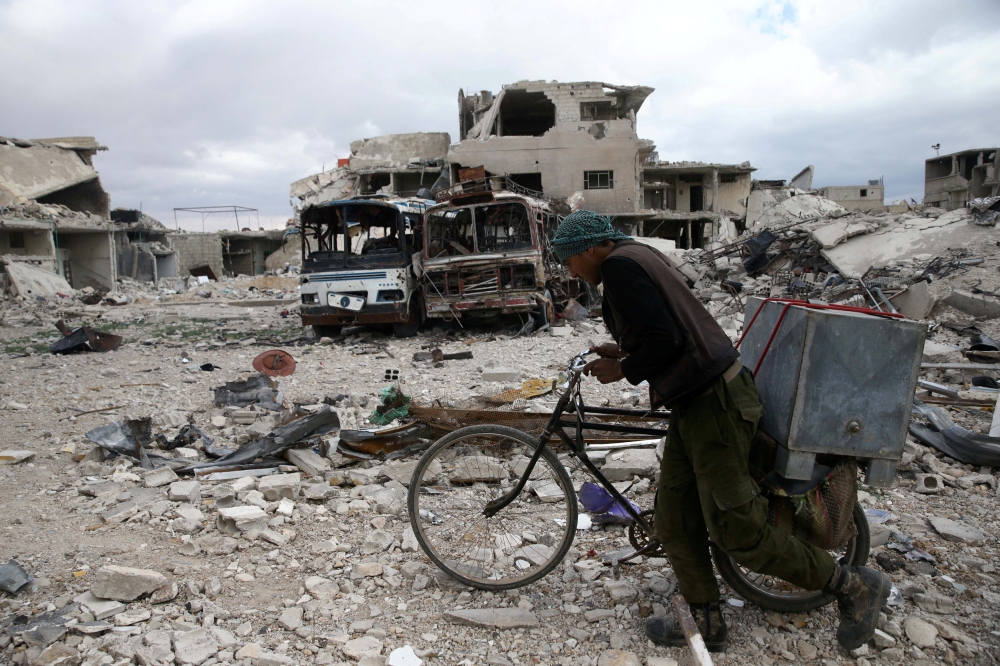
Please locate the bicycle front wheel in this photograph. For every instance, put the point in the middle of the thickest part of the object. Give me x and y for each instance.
(452, 485)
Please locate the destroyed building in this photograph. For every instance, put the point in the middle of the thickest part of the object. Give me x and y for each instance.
(226, 253)
(142, 246)
(54, 214)
(579, 140)
(951, 181)
(395, 165)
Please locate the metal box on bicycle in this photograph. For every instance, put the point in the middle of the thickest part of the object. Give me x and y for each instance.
(833, 382)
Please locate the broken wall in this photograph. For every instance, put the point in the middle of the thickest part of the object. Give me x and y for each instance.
(866, 198)
(572, 147)
(398, 149)
(50, 174)
(733, 195)
(91, 259)
(198, 249)
(26, 241)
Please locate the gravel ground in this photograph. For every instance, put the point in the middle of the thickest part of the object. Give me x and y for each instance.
(67, 515)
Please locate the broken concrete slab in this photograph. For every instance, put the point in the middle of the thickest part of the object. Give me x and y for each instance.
(955, 531)
(184, 491)
(359, 648)
(278, 486)
(194, 647)
(237, 519)
(310, 462)
(500, 375)
(12, 457)
(494, 618)
(155, 478)
(622, 466)
(30, 281)
(126, 583)
(101, 609)
(975, 305)
(914, 302)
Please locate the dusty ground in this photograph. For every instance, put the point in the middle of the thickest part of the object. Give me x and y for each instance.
(57, 533)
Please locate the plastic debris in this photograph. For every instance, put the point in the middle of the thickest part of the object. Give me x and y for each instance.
(394, 405)
(603, 507)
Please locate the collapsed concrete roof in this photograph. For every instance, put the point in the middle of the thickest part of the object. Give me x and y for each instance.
(52, 171)
(699, 167)
(400, 151)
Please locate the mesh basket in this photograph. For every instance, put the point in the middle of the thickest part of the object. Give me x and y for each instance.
(823, 515)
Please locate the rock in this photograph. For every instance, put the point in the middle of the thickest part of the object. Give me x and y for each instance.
(225, 638)
(620, 591)
(280, 486)
(500, 374)
(367, 569)
(59, 654)
(322, 588)
(366, 646)
(237, 519)
(403, 472)
(291, 618)
(99, 608)
(599, 614)
(409, 544)
(618, 658)
(807, 650)
(922, 634)
(955, 531)
(403, 656)
(217, 545)
(319, 492)
(623, 466)
(184, 491)
(493, 618)
(915, 302)
(194, 647)
(934, 603)
(126, 584)
(662, 586)
(44, 635)
(274, 659)
(376, 542)
(155, 478)
(248, 651)
(883, 640)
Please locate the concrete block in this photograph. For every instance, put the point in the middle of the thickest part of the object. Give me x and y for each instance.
(623, 466)
(500, 375)
(915, 302)
(155, 478)
(278, 486)
(184, 491)
(307, 460)
(194, 647)
(975, 305)
(238, 519)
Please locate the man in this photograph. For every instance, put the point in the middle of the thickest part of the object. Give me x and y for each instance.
(666, 337)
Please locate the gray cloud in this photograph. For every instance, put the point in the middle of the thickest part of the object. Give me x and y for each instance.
(213, 103)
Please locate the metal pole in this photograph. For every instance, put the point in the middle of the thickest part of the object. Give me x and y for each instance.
(694, 640)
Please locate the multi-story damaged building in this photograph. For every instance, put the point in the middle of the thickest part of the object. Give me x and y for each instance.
(951, 181)
(579, 140)
(54, 213)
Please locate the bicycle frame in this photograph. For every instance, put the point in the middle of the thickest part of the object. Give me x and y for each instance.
(577, 449)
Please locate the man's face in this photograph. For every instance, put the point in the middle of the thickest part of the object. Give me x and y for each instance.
(585, 266)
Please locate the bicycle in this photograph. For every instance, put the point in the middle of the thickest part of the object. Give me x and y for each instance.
(472, 517)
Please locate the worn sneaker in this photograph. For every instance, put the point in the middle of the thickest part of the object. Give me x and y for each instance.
(861, 592)
(666, 630)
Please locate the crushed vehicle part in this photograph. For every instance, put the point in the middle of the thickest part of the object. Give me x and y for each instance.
(275, 363)
(127, 438)
(13, 577)
(84, 339)
(952, 439)
(255, 390)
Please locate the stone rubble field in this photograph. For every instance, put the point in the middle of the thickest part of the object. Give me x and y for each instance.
(136, 567)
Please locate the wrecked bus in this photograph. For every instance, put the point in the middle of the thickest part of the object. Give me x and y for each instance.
(484, 255)
(357, 264)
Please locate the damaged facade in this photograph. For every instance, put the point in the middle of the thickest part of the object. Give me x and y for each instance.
(142, 246)
(54, 216)
(951, 181)
(868, 198)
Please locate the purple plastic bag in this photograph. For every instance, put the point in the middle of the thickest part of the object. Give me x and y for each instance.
(602, 505)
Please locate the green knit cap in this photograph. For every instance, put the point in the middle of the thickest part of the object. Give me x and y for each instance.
(581, 231)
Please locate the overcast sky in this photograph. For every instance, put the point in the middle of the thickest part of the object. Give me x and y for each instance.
(213, 103)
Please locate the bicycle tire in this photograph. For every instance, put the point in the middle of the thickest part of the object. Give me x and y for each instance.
(431, 541)
(856, 554)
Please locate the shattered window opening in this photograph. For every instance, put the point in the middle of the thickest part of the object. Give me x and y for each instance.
(598, 180)
(373, 237)
(864, 193)
(728, 177)
(450, 233)
(16, 240)
(502, 228)
(596, 111)
(525, 114)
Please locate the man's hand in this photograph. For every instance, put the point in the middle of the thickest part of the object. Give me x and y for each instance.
(605, 370)
(608, 350)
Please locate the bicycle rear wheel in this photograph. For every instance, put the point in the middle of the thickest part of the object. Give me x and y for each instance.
(455, 480)
(778, 595)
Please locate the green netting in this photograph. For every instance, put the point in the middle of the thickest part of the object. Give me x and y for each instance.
(394, 405)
